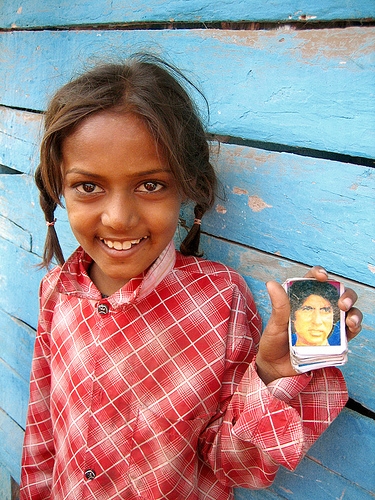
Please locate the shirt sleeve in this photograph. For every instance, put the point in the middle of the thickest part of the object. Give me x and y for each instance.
(267, 427)
(264, 427)
(38, 449)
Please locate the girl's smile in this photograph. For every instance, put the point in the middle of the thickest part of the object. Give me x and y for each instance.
(122, 199)
(122, 245)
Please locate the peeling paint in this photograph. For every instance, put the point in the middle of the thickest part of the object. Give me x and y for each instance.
(329, 43)
(335, 43)
(220, 209)
(257, 204)
(237, 190)
(371, 268)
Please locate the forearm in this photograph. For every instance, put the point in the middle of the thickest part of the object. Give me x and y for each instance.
(267, 427)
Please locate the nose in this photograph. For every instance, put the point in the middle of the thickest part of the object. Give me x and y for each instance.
(120, 213)
(317, 317)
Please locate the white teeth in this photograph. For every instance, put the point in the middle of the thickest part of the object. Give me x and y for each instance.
(118, 245)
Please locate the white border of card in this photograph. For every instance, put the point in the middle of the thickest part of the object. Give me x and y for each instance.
(305, 358)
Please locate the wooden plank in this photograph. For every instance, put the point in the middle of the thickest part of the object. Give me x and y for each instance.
(279, 203)
(308, 89)
(14, 394)
(19, 277)
(11, 439)
(5, 484)
(299, 208)
(10, 231)
(26, 228)
(33, 13)
(17, 344)
(258, 268)
(19, 139)
(348, 447)
(266, 494)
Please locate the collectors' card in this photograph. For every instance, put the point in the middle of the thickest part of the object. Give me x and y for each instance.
(317, 335)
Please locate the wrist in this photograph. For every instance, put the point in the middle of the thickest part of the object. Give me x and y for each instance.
(268, 372)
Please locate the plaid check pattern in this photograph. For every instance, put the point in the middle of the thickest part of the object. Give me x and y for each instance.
(153, 393)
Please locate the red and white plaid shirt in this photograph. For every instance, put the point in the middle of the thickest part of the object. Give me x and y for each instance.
(153, 392)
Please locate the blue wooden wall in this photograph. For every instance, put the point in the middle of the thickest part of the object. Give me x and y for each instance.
(291, 90)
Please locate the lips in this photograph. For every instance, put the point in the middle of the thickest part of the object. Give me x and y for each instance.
(121, 245)
(317, 332)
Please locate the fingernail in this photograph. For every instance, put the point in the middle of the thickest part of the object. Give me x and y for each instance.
(323, 271)
(355, 319)
(347, 303)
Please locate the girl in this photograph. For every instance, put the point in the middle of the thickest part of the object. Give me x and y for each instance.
(149, 378)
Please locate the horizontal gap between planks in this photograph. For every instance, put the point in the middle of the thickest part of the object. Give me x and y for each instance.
(284, 148)
(358, 408)
(9, 171)
(303, 24)
(19, 108)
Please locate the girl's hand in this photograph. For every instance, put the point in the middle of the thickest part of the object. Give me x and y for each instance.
(273, 359)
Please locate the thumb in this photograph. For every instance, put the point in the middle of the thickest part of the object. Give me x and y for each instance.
(273, 360)
(278, 322)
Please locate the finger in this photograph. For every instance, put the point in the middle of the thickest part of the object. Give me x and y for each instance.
(353, 323)
(347, 299)
(280, 307)
(317, 272)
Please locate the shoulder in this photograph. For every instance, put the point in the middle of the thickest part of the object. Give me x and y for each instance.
(218, 287)
(48, 298)
(198, 265)
(50, 284)
(195, 268)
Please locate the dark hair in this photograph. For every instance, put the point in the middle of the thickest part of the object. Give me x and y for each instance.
(152, 89)
(300, 290)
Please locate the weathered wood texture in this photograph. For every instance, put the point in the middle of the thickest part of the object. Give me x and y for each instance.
(38, 13)
(324, 100)
(282, 212)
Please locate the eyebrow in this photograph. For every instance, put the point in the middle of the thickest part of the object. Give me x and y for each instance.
(79, 171)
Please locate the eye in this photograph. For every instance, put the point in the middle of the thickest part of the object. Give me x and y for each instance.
(306, 308)
(87, 188)
(326, 310)
(150, 187)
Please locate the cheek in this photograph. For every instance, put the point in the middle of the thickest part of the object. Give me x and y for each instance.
(329, 322)
(299, 323)
(165, 218)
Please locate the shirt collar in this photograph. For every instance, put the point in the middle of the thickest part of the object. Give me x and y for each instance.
(74, 278)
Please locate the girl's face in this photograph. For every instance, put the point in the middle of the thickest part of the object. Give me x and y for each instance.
(122, 200)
